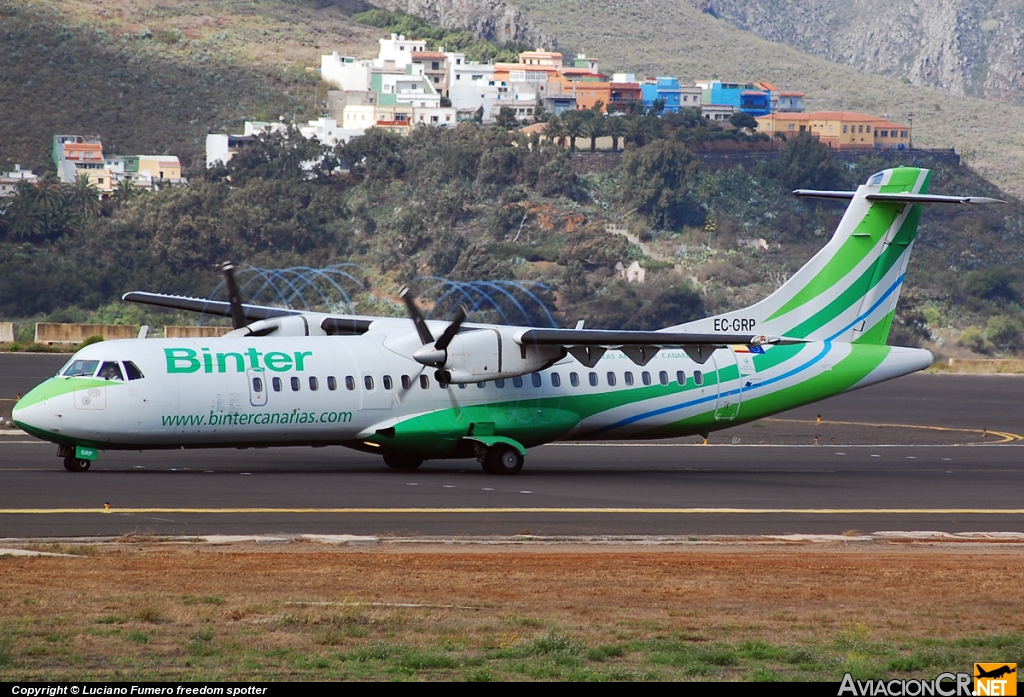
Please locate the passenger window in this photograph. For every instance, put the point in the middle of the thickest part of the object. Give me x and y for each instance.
(424, 382)
(517, 381)
(387, 382)
(698, 377)
(81, 369)
(257, 385)
(499, 383)
(646, 377)
(574, 379)
(663, 377)
(276, 382)
(443, 385)
(556, 380)
(132, 371)
(462, 385)
(332, 384)
(368, 382)
(681, 377)
(350, 382)
(481, 385)
(628, 378)
(295, 384)
(110, 371)
(535, 379)
(611, 379)
(593, 379)
(314, 384)
(406, 382)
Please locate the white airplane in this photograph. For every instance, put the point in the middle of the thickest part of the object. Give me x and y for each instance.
(419, 390)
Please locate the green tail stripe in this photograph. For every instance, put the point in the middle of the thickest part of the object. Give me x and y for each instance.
(878, 219)
(889, 257)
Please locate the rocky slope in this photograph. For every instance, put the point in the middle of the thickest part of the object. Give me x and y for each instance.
(967, 47)
(490, 19)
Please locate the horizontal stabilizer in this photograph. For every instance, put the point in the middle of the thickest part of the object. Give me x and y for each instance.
(899, 197)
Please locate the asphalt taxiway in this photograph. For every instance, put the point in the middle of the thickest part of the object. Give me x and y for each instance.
(925, 452)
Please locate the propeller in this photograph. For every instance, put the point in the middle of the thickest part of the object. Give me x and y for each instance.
(238, 319)
(416, 316)
(434, 353)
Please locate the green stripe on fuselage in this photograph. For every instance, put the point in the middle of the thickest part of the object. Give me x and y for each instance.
(860, 362)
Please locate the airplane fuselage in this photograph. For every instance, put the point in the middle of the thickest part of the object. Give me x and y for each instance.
(355, 391)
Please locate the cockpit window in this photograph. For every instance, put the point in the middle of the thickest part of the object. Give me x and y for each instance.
(110, 371)
(132, 371)
(81, 368)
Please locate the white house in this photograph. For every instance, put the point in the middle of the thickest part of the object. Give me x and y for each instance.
(345, 72)
(9, 180)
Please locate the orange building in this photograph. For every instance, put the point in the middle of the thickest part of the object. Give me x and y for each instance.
(842, 130)
(589, 92)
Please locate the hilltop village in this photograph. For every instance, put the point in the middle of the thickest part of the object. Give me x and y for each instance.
(409, 85)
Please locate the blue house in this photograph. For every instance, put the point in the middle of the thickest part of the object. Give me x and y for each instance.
(665, 89)
(747, 98)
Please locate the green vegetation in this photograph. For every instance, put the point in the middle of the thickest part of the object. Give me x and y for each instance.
(288, 650)
(484, 203)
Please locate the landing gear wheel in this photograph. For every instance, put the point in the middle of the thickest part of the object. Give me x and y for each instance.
(503, 459)
(74, 464)
(402, 462)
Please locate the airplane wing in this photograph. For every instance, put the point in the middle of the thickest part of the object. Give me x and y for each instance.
(332, 325)
(206, 307)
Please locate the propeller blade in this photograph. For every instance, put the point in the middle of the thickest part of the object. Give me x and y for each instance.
(414, 314)
(234, 296)
(451, 330)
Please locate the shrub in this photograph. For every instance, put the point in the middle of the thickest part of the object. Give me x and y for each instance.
(974, 339)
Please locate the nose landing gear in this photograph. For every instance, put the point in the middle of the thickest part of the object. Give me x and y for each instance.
(75, 464)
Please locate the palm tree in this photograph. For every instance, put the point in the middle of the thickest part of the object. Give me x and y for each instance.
(84, 197)
(573, 122)
(23, 216)
(615, 126)
(555, 131)
(593, 128)
(639, 130)
(125, 192)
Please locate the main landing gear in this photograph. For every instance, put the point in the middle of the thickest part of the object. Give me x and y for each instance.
(500, 458)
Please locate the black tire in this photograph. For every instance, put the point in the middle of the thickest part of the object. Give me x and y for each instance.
(74, 464)
(402, 462)
(503, 459)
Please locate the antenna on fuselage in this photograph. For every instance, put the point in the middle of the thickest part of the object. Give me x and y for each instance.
(238, 319)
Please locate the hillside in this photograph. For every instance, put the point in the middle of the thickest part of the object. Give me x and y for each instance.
(962, 46)
(154, 78)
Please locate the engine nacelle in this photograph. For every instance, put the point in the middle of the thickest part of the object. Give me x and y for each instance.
(489, 354)
(289, 325)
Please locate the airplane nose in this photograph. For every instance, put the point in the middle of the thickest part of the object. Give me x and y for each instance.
(41, 410)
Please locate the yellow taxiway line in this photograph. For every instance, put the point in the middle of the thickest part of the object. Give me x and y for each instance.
(491, 511)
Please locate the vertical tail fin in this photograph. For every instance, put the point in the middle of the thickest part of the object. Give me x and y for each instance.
(848, 290)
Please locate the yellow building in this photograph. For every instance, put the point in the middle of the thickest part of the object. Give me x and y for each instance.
(160, 166)
(841, 130)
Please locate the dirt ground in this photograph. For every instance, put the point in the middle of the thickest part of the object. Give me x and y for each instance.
(309, 610)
